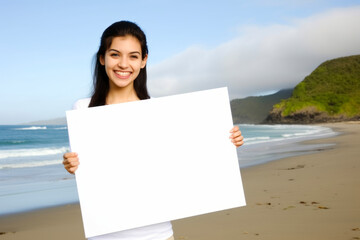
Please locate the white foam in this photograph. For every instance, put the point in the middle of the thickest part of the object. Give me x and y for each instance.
(255, 140)
(31, 152)
(299, 134)
(32, 128)
(19, 141)
(60, 128)
(30, 164)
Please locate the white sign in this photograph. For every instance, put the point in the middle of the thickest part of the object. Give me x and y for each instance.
(156, 160)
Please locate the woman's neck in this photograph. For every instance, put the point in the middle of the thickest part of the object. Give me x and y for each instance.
(121, 95)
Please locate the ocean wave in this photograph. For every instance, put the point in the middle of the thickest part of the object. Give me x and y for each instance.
(60, 128)
(30, 164)
(267, 133)
(290, 135)
(311, 131)
(32, 152)
(32, 128)
(254, 140)
(257, 138)
(12, 142)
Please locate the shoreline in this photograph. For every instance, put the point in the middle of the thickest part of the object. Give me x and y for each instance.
(311, 196)
(276, 148)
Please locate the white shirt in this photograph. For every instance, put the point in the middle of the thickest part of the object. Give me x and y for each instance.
(160, 231)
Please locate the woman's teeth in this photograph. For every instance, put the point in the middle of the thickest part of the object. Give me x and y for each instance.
(123, 74)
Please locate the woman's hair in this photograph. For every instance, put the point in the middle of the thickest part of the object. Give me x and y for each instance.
(100, 78)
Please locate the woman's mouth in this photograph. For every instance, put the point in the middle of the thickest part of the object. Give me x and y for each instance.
(122, 74)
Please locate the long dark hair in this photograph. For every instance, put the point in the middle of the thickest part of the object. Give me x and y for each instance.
(100, 78)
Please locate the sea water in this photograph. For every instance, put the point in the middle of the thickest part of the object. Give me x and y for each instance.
(32, 175)
(31, 171)
(264, 143)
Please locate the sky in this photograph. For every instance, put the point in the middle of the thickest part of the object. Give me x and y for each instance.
(252, 47)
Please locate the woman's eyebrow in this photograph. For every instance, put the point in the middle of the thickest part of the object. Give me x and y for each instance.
(134, 52)
(113, 50)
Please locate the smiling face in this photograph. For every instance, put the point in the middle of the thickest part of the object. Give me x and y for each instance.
(123, 62)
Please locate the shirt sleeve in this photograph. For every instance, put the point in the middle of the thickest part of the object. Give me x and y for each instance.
(81, 103)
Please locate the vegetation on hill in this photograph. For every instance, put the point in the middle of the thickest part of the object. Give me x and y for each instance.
(330, 93)
(256, 109)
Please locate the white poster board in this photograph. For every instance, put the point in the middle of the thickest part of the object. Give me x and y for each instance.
(156, 160)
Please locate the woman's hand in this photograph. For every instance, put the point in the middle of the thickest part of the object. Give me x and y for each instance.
(236, 137)
(71, 162)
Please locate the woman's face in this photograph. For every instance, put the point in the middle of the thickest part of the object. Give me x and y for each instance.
(123, 61)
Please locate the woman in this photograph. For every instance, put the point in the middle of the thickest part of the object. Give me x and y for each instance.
(120, 76)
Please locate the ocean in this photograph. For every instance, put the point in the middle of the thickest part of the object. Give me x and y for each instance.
(32, 175)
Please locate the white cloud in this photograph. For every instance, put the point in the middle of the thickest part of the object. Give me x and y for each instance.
(261, 58)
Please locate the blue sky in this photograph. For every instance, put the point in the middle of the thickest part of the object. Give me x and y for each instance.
(253, 47)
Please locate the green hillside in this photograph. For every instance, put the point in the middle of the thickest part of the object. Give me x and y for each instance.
(256, 109)
(330, 92)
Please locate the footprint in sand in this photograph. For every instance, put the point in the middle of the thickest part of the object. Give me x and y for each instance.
(268, 204)
(322, 207)
(297, 167)
(289, 207)
(313, 203)
(3, 233)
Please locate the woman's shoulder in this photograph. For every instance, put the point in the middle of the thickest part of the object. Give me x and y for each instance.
(82, 103)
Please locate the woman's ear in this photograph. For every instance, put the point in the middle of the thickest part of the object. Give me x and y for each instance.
(143, 62)
(102, 60)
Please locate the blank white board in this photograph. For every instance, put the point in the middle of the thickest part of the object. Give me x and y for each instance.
(155, 160)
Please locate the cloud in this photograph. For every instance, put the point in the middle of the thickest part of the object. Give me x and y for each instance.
(261, 58)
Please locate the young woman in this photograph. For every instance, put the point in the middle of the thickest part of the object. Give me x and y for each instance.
(120, 76)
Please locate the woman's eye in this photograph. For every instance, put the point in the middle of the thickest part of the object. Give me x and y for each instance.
(134, 57)
(114, 54)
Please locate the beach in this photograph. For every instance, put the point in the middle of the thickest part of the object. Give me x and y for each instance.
(311, 196)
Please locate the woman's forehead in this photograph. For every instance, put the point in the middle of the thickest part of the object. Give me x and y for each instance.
(125, 43)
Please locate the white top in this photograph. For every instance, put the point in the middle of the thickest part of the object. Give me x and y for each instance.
(160, 231)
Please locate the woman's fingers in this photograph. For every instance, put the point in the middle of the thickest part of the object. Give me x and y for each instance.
(238, 141)
(234, 129)
(236, 136)
(71, 167)
(70, 155)
(72, 170)
(71, 162)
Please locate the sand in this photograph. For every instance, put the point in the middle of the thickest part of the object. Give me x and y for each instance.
(313, 196)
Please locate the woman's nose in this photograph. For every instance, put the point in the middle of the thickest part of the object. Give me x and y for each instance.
(123, 63)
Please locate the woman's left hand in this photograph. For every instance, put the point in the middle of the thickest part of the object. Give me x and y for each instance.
(236, 137)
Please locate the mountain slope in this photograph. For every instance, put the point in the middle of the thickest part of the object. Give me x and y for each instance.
(330, 93)
(256, 109)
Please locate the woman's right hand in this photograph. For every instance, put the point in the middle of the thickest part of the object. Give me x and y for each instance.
(71, 162)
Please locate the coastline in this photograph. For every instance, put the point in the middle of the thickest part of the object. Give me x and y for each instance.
(312, 196)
